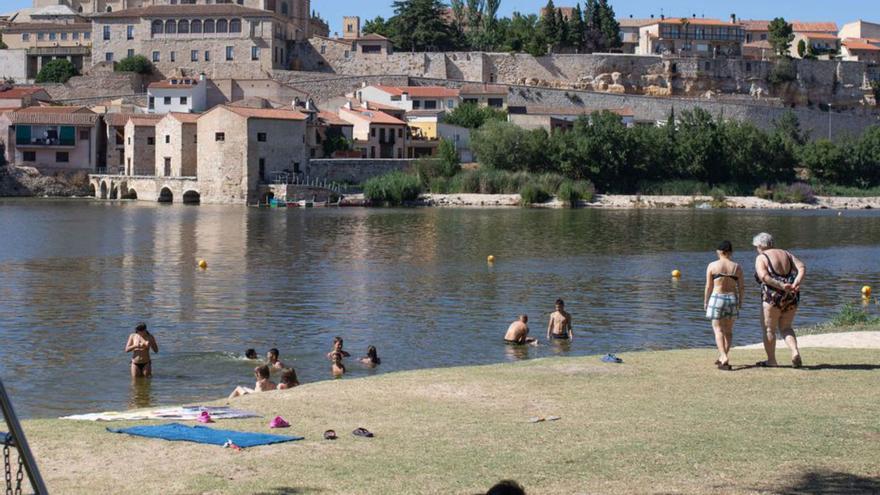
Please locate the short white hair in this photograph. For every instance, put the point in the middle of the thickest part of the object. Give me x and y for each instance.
(763, 241)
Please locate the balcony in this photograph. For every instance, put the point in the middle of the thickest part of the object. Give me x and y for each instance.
(42, 137)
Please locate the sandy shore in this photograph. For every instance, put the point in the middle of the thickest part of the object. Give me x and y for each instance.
(612, 201)
(846, 340)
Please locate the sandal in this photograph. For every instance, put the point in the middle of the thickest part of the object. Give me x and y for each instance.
(725, 367)
(764, 364)
(797, 362)
(362, 432)
(329, 435)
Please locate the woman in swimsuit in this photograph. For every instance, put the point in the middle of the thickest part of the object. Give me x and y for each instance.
(780, 274)
(139, 343)
(371, 360)
(723, 300)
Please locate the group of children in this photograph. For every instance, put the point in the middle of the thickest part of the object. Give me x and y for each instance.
(141, 342)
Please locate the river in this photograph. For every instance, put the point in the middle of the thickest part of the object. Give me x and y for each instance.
(76, 276)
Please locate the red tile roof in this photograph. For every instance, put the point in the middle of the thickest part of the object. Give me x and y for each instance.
(374, 117)
(54, 115)
(696, 21)
(19, 92)
(814, 27)
(860, 44)
(185, 118)
(629, 22)
(372, 105)
(755, 25)
(820, 36)
(120, 119)
(331, 118)
(143, 122)
(483, 89)
(420, 91)
(372, 37)
(266, 113)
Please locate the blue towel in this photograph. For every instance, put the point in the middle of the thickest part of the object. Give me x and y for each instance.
(177, 432)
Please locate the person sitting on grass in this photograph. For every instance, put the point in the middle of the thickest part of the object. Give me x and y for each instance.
(518, 332)
(288, 379)
(264, 384)
(506, 487)
(372, 358)
(338, 368)
(272, 359)
(337, 347)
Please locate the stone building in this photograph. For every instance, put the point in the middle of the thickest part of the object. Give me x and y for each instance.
(376, 134)
(224, 40)
(243, 149)
(21, 96)
(324, 127)
(860, 30)
(823, 45)
(411, 97)
(178, 94)
(629, 33)
(53, 138)
(691, 36)
(140, 146)
(865, 50)
(559, 119)
(484, 95)
(176, 153)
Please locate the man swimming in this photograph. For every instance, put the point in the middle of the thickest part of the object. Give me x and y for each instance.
(139, 343)
(272, 360)
(559, 327)
(518, 332)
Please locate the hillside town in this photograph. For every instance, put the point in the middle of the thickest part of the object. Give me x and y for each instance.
(239, 103)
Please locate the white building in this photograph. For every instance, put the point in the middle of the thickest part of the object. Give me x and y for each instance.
(410, 98)
(180, 95)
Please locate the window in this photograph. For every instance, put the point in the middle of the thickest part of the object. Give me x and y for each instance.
(183, 100)
(450, 104)
(29, 156)
(195, 26)
(84, 135)
(400, 133)
(373, 132)
(209, 26)
(151, 141)
(167, 100)
(62, 157)
(323, 49)
(155, 56)
(229, 54)
(41, 36)
(207, 56)
(170, 26)
(748, 66)
(183, 27)
(52, 36)
(708, 65)
(25, 36)
(108, 57)
(261, 137)
(129, 139)
(430, 104)
(255, 53)
(74, 36)
(194, 56)
(87, 35)
(235, 26)
(172, 56)
(106, 33)
(496, 102)
(345, 54)
(167, 166)
(284, 12)
(219, 136)
(152, 103)
(130, 53)
(167, 138)
(262, 169)
(157, 27)
(63, 36)
(222, 26)
(129, 32)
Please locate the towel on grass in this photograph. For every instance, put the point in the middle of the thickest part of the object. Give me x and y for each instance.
(177, 432)
(185, 413)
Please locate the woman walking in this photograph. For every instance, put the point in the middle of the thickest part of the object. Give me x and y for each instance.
(780, 274)
(723, 300)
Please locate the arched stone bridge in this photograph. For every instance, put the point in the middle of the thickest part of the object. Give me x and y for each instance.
(146, 188)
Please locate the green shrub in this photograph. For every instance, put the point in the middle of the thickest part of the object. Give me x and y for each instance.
(393, 189)
(56, 71)
(572, 192)
(473, 116)
(136, 63)
(719, 197)
(783, 71)
(439, 185)
(823, 189)
(798, 192)
(531, 194)
(850, 314)
(764, 192)
(675, 188)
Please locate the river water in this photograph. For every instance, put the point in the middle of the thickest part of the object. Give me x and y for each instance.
(76, 276)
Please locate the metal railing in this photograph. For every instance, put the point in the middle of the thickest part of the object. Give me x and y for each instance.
(15, 438)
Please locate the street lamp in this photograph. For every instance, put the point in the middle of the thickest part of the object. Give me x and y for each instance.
(829, 121)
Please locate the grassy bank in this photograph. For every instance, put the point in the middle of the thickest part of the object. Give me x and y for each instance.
(662, 422)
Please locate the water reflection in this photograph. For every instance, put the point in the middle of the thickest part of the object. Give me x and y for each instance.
(516, 352)
(140, 394)
(77, 277)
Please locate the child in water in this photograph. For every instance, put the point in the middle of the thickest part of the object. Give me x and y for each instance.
(371, 360)
(288, 379)
(139, 343)
(264, 384)
(338, 368)
(272, 358)
(251, 354)
(337, 348)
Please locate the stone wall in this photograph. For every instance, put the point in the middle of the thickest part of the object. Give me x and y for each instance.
(352, 171)
(323, 87)
(82, 90)
(13, 64)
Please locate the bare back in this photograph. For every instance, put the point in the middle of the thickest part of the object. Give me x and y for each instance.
(726, 276)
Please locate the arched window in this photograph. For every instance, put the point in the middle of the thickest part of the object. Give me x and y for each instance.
(183, 26)
(284, 8)
(158, 27)
(209, 26)
(79, 9)
(109, 9)
(222, 26)
(170, 26)
(270, 5)
(235, 26)
(195, 26)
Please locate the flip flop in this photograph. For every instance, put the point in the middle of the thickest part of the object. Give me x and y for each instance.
(362, 432)
(541, 419)
(611, 358)
(330, 435)
(797, 362)
(725, 367)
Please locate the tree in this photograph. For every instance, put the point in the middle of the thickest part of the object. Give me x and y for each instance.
(576, 29)
(472, 116)
(418, 25)
(608, 26)
(505, 146)
(379, 26)
(875, 86)
(2, 44)
(802, 48)
(549, 25)
(136, 63)
(562, 34)
(450, 163)
(56, 71)
(335, 143)
(781, 36)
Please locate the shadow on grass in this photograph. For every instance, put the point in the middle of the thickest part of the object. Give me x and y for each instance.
(815, 367)
(829, 483)
(289, 490)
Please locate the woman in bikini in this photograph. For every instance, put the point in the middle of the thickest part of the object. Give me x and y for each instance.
(723, 300)
(139, 344)
(780, 274)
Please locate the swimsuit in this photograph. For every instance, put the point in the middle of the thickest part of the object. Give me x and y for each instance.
(785, 301)
(141, 366)
(723, 306)
(559, 336)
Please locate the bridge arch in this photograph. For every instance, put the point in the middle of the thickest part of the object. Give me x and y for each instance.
(92, 191)
(165, 195)
(192, 197)
(114, 191)
(103, 189)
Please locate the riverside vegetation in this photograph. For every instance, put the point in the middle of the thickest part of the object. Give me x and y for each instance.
(694, 153)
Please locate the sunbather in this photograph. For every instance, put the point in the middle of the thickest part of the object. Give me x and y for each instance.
(288, 379)
(264, 384)
(372, 358)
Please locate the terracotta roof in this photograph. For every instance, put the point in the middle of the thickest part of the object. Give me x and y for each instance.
(372, 37)
(143, 121)
(420, 91)
(266, 113)
(629, 22)
(814, 27)
(374, 117)
(754, 25)
(697, 21)
(185, 118)
(860, 44)
(175, 83)
(483, 89)
(372, 105)
(120, 119)
(19, 91)
(26, 27)
(187, 10)
(570, 111)
(54, 115)
(331, 118)
(819, 36)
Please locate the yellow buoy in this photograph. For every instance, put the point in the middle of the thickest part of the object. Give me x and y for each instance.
(676, 274)
(866, 291)
(203, 264)
(491, 259)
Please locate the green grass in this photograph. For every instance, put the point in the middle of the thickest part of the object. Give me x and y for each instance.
(662, 422)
